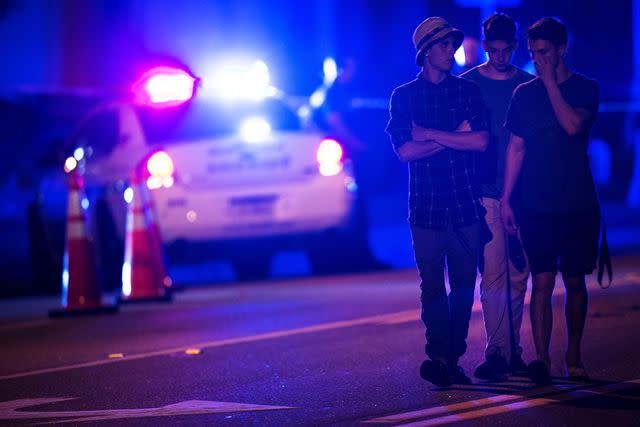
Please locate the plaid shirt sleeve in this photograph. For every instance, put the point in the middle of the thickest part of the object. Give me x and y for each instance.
(399, 126)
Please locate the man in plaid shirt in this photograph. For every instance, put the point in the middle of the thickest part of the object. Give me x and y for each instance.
(437, 124)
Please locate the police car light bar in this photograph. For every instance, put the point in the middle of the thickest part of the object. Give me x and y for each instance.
(164, 87)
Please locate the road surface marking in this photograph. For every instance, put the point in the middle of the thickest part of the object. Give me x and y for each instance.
(616, 395)
(631, 278)
(401, 317)
(503, 398)
(562, 396)
(370, 320)
(495, 410)
(10, 410)
(23, 325)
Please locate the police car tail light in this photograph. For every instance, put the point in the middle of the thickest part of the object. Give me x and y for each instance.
(161, 169)
(164, 87)
(329, 157)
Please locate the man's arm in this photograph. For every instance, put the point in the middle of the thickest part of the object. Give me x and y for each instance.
(459, 140)
(414, 150)
(471, 135)
(513, 164)
(572, 120)
(399, 128)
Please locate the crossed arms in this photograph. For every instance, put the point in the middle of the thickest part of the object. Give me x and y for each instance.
(427, 142)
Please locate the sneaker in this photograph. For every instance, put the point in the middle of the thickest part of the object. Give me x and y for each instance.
(493, 369)
(577, 373)
(435, 372)
(456, 375)
(538, 371)
(518, 368)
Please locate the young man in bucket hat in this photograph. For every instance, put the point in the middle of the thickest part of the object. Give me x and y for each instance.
(437, 125)
(502, 292)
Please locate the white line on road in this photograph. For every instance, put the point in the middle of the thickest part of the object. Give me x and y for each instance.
(445, 409)
(375, 320)
(565, 395)
(14, 410)
(23, 325)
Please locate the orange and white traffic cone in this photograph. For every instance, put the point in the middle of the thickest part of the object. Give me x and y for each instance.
(154, 233)
(80, 286)
(142, 273)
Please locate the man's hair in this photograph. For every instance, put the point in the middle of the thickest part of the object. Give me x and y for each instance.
(551, 29)
(499, 26)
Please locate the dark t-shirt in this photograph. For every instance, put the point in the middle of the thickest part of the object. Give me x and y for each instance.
(555, 176)
(497, 95)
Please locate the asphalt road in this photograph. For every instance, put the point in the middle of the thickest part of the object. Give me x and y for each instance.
(341, 350)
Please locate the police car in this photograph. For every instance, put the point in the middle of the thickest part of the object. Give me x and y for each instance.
(236, 177)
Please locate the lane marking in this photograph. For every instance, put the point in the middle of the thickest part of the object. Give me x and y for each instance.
(632, 278)
(23, 325)
(374, 320)
(495, 410)
(10, 410)
(502, 398)
(616, 395)
(563, 396)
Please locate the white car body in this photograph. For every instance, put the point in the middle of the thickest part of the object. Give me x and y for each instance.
(226, 188)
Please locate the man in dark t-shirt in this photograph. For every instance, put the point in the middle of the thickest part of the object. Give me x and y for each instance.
(550, 119)
(500, 292)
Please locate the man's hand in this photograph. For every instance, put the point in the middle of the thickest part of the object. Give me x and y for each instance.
(464, 126)
(418, 133)
(545, 70)
(508, 218)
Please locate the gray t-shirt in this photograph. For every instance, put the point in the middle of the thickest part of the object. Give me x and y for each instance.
(496, 95)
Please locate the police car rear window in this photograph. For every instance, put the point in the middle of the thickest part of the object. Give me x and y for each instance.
(201, 120)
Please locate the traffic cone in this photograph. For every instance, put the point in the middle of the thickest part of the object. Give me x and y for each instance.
(80, 286)
(154, 233)
(142, 270)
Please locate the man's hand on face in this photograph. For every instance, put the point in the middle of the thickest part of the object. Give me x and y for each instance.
(545, 70)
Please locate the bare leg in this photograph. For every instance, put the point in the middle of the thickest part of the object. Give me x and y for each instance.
(541, 315)
(575, 311)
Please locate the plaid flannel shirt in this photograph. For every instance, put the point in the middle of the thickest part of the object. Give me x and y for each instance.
(443, 188)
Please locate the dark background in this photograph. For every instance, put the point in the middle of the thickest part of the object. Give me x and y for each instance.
(97, 48)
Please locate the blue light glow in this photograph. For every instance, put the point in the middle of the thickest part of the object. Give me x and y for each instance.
(126, 278)
(128, 195)
(460, 56)
(65, 278)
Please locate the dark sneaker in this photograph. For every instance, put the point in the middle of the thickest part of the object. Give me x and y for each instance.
(493, 369)
(538, 371)
(518, 368)
(435, 372)
(457, 376)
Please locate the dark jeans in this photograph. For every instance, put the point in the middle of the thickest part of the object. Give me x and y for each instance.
(446, 317)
